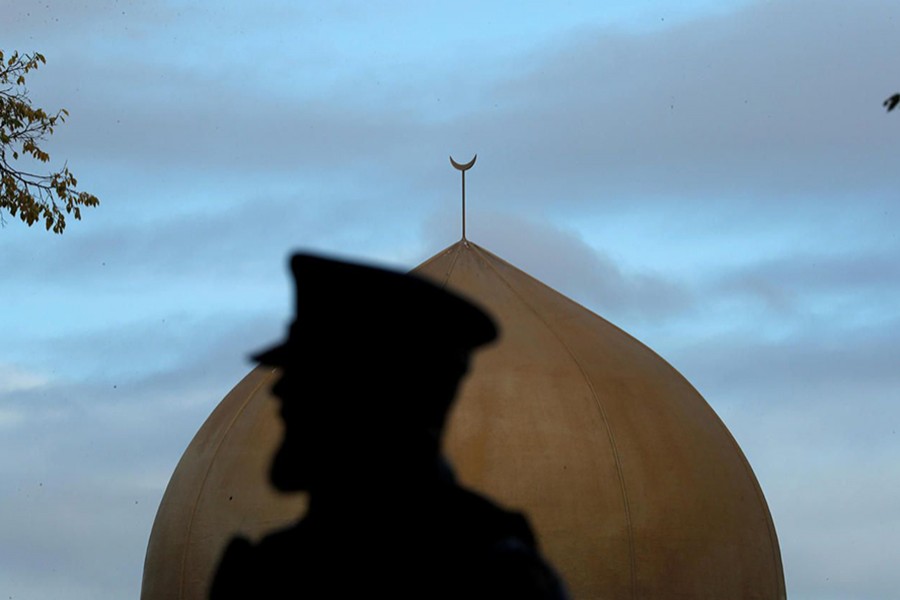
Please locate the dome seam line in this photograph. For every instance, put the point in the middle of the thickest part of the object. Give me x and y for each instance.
(206, 476)
(450, 269)
(610, 436)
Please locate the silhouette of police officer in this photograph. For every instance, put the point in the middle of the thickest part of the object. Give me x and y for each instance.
(370, 368)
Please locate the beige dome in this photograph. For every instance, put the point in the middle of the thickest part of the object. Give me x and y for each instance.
(634, 486)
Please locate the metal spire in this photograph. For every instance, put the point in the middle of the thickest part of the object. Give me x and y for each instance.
(463, 168)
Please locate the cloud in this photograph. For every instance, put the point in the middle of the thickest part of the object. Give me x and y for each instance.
(815, 361)
(14, 379)
(87, 459)
(694, 117)
(759, 108)
(565, 262)
(815, 412)
(836, 536)
(851, 287)
(723, 187)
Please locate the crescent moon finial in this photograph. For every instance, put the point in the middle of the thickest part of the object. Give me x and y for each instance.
(464, 167)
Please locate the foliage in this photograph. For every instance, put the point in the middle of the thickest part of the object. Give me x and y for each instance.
(32, 196)
(892, 102)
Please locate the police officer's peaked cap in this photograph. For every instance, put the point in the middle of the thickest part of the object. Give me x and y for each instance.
(344, 304)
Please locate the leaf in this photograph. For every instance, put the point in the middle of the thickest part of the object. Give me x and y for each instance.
(23, 127)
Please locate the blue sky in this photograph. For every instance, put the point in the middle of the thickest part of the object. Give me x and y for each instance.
(717, 178)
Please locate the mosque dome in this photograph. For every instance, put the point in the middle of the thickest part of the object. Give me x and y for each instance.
(634, 486)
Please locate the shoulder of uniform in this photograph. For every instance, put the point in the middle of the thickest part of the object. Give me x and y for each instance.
(232, 571)
(491, 518)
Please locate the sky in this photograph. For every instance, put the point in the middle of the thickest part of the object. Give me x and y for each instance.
(717, 178)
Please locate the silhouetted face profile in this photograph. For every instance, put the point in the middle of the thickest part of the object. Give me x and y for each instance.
(368, 371)
(339, 425)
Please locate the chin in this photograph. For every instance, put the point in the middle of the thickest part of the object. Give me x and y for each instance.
(286, 474)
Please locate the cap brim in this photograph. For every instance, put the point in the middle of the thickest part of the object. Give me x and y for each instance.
(275, 355)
